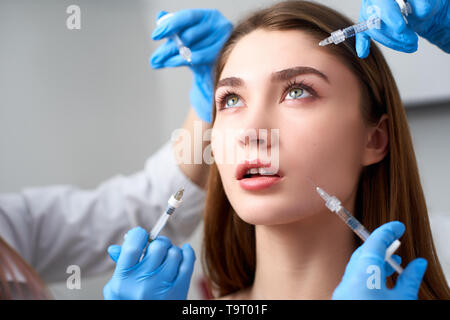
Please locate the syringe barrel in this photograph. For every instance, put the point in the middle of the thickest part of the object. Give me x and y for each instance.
(353, 223)
(350, 31)
(159, 225)
(184, 51)
(361, 26)
(177, 41)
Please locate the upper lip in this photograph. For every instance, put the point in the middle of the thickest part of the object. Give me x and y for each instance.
(242, 168)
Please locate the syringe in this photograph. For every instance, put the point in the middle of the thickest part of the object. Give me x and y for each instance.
(184, 51)
(375, 22)
(173, 203)
(334, 204)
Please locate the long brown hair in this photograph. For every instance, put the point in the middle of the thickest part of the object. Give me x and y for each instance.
(13, 266)
(388, 190)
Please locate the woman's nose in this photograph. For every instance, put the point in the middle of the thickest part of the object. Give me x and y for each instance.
(252, 137)
(260, 144)
(256, 125)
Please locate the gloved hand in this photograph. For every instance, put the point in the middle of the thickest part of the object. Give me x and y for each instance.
(204, 32)
(368, 259)
(429, 18)
(164, 273)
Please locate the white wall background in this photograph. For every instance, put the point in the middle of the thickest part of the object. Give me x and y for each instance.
(79, 106)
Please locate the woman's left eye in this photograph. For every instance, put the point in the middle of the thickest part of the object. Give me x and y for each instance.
(296, 93)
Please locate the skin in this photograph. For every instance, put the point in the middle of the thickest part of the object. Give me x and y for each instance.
(322, 138)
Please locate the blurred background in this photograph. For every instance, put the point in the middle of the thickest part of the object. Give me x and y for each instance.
(80, 106)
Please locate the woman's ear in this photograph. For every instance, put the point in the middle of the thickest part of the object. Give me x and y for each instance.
(377, 142)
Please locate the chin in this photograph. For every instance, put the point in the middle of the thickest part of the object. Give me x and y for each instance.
(267, 211)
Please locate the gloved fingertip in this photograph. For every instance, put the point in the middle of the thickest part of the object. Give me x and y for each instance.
(138, 230)
(421, 264)
(188, 261)
(362, 46)
(113, 248)
(157, 34)
(136, 234)
(154, 61)
(114, 252)
(160, 32)
(164, 239)
(187, 248)
(163, 28)
(362, 52)
(397, 227)
(161, 14)
(156, 66)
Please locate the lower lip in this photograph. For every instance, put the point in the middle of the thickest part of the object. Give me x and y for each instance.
(258, 183)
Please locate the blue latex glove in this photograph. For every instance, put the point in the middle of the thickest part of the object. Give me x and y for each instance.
(204, 32)
(357, 280)
(164, 273)
(429, 18)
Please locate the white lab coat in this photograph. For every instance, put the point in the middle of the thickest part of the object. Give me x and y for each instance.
(55, 227)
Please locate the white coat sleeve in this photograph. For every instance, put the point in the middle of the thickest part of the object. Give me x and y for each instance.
(55, 227)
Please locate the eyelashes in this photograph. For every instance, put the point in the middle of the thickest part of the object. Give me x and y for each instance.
(221, 98)
(299, 85)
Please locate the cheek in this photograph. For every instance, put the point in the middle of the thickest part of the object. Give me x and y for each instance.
(230, 185)
(326, 148)
(223, 147)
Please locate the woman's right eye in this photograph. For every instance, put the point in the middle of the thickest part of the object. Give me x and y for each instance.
(232, 101)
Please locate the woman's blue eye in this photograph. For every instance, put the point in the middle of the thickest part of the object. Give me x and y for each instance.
(296, 93)
(232, 101)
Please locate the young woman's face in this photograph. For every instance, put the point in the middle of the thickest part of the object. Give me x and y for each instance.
(283, 80)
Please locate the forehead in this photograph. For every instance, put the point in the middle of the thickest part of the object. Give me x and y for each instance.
(263, 52)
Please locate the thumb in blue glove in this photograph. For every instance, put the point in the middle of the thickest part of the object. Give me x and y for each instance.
(163, 273)
(204, 32)
(114, 252)
(368, 261)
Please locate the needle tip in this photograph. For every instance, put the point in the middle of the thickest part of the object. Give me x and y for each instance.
(324, 42)
(311, 182)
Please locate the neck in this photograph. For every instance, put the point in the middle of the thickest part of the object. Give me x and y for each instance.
(302, 260)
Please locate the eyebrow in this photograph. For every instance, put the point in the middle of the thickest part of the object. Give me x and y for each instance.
(230, 82)
(282, 75)
(290, 73)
